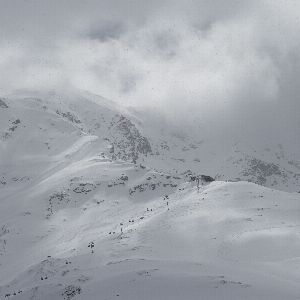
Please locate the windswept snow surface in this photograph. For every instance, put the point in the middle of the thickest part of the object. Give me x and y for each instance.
(80, 220)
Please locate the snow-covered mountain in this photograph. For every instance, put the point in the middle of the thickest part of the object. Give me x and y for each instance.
(45, 125)
(233, 158)
(97, 202)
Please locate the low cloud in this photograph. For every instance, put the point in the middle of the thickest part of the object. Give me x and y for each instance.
(232, 64)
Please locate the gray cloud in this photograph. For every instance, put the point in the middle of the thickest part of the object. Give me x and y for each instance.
(233, 63)
(106, 30)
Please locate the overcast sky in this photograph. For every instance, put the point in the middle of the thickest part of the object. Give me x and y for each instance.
(208, 57)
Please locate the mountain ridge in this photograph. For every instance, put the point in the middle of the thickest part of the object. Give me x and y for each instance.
(98, 200)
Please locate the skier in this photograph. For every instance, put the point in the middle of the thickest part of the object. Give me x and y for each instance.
(91, 245)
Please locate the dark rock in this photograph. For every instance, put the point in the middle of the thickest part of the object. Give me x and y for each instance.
(3, 104)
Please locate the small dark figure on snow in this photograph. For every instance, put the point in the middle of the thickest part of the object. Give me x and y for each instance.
(91, 245)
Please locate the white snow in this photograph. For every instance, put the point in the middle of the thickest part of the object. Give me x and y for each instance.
(60, 190)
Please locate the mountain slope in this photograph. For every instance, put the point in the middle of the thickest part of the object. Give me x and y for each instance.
(197, 148)
(221, 242)
(47, 124)
(96, 200)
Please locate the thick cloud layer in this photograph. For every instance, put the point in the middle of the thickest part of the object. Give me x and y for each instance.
(232, 63)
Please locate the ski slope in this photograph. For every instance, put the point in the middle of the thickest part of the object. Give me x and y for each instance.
(229, 241)
(77, 171)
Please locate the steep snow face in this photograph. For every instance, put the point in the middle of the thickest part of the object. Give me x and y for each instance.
(39, 133)
(44, 125)
(96, 201)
